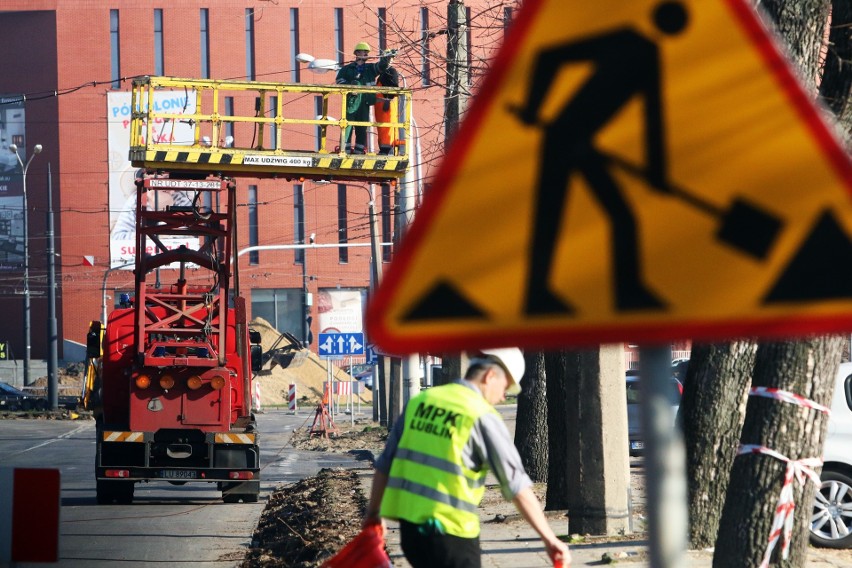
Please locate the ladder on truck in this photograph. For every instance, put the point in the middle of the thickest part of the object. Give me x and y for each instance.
(178, 324)
(260, 129)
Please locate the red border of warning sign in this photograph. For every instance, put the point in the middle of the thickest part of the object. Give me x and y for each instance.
(555, 336)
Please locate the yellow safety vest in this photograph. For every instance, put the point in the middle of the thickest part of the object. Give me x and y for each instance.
(428, 479)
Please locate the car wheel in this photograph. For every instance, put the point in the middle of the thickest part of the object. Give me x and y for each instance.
(831, 522)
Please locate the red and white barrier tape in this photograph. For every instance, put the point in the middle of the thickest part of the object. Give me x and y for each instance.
(782, 523)
(786, 396)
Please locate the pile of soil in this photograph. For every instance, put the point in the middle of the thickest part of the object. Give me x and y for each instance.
(70, 380)
(365, 436)
(308, 377)
(307, 522)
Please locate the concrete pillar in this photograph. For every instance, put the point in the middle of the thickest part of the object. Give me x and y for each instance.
(599, 484)
(395, 390)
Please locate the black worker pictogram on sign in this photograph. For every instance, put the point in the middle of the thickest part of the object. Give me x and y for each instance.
(643, 171)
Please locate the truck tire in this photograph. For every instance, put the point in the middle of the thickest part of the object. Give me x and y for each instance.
(109, 492)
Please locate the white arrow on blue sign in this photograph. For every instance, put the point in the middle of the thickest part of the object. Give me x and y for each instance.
(340, 344)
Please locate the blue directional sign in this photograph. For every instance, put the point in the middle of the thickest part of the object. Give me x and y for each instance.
(340, 344)
(371, 358)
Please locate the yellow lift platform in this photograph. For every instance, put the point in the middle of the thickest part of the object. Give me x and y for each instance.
(260, 129)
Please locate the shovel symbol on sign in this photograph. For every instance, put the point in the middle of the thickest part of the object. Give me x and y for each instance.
(743, 226)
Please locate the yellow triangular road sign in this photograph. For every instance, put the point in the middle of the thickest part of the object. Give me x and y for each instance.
(644, 170)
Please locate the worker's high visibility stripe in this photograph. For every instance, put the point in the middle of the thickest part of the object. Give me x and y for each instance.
(230, 438)
(438, 463)
(124, 436)
(429, 493)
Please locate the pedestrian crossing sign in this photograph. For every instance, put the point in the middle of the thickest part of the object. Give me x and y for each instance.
(630, 171)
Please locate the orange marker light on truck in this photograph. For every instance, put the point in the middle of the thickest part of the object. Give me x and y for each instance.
(194, 382)
(217, 382)
(167, 382)
(143, 381)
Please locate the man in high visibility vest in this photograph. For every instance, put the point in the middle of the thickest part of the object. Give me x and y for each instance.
(431, 475)
(359, 72)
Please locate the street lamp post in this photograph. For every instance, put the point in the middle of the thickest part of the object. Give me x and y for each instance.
(27, 346)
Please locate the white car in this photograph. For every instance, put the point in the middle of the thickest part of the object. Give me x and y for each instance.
(831, 522)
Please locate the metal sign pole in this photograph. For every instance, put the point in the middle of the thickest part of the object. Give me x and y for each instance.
(665, 460)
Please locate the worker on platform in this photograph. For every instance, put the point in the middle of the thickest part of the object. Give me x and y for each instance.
(431, 474)
(359, 72)
(386, 110)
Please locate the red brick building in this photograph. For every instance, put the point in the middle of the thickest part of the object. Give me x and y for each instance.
(67, 56)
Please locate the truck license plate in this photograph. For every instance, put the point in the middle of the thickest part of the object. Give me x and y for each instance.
(177, 474)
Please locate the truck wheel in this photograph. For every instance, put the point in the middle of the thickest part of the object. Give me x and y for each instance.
(114, 491)
(236, 497)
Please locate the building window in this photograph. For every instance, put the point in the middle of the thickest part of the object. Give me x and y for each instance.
(273, 127)
(281, 307)
(425, 72)
(254, 256)
(159, 67)
(298, 223)
(338, 35)
(229, 125)
(469, 31)
(387, 233)
(250, 44)
(294, 45)
(319, 112)
(205, 43)
(342, 224)
(383, 29)
(115, 49)
(507, 20)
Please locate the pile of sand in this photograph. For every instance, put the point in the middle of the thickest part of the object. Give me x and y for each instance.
(308, 377)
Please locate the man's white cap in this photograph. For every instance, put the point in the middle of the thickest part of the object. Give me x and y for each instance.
(512, 360)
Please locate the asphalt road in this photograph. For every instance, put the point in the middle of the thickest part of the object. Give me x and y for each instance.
(166, 525)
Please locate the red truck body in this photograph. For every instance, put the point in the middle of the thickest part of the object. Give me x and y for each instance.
(175, 378)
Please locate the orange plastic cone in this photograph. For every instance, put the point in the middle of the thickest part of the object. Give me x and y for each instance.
(367, 550)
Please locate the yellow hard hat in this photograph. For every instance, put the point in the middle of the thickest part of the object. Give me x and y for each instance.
(363, 45)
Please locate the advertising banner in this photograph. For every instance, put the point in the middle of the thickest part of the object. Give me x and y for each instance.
(340, 310)
(122, 191)
(12, 131)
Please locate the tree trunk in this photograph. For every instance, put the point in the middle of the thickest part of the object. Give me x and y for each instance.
(531, 423)
(562, 370)
(836, 86)
(805, 368)
(711, 414)
(801, 23)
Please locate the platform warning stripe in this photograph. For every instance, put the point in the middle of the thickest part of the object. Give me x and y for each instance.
(200, 157)
(124, 436)
(229, 438)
